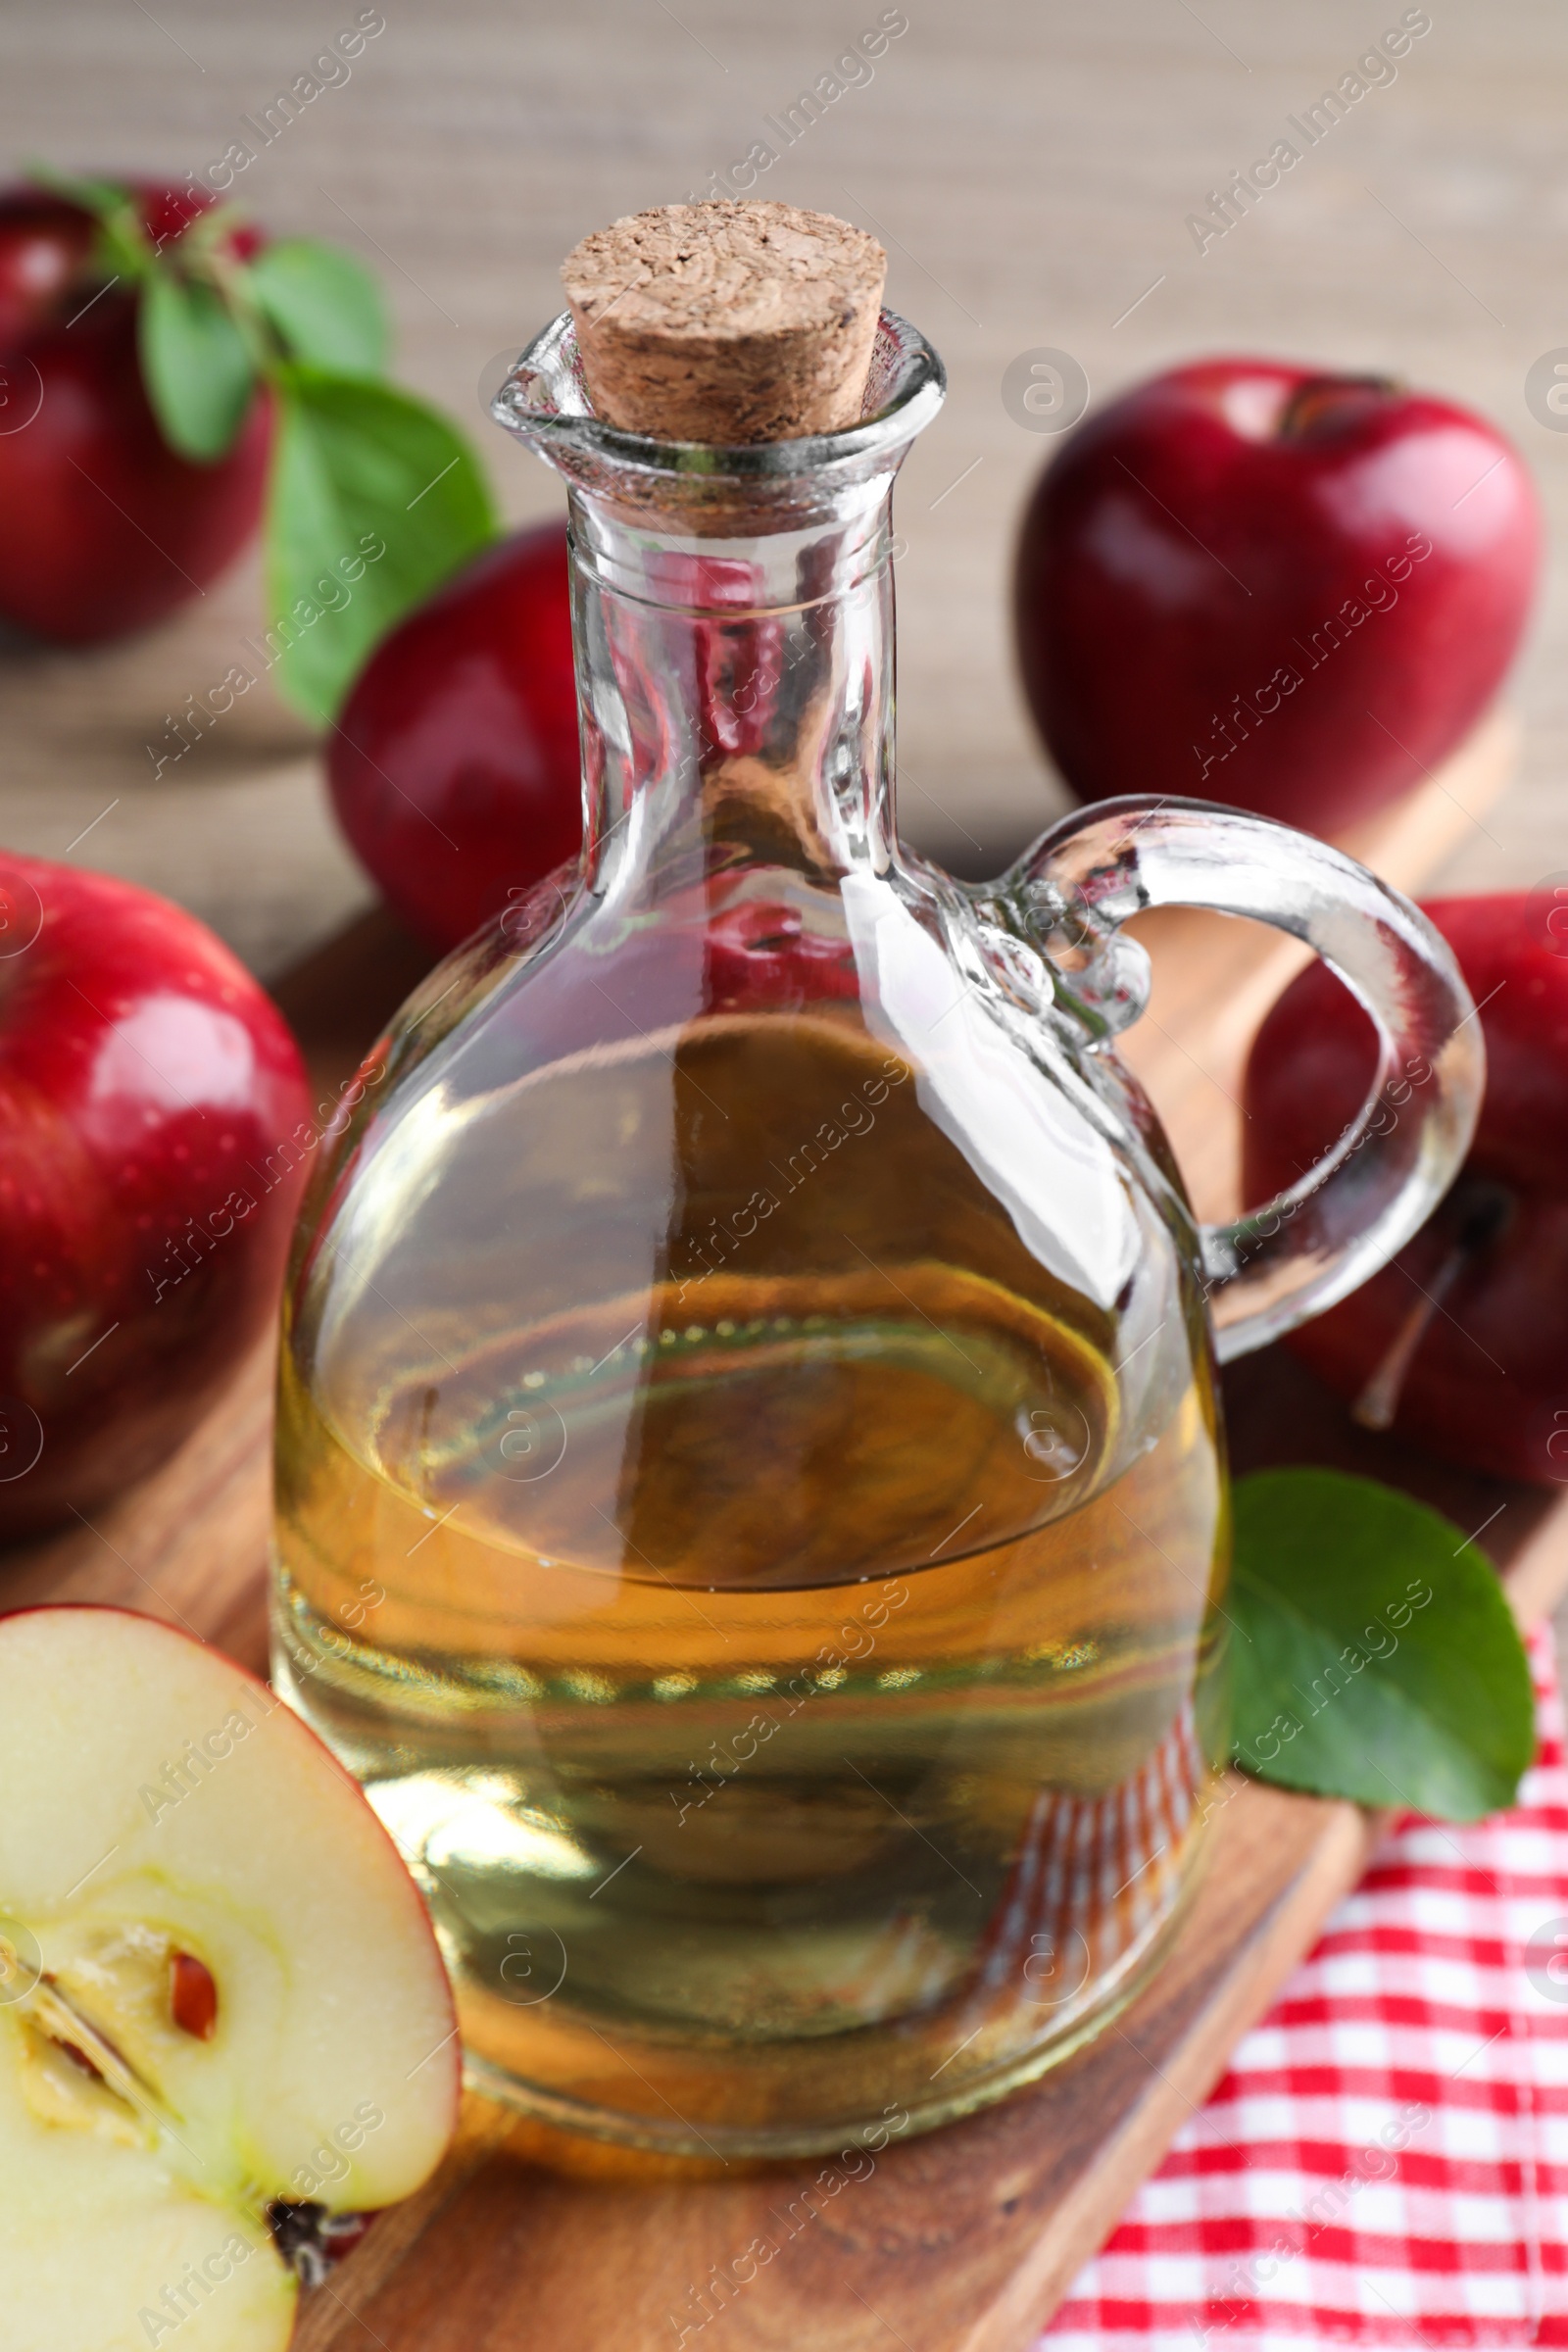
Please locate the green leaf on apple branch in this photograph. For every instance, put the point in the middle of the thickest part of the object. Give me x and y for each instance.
(93, 195)
(124, 249)
(326, 308)
(375, 500)
(196, 366)
(1378, 1657)
(103, 198)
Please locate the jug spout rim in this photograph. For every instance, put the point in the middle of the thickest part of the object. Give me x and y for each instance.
(544, 402)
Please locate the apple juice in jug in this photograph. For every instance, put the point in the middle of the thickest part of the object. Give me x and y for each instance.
(751, 1506)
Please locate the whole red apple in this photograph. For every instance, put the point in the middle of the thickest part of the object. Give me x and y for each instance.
(154, 1133)
(455, 768)
(1461, 1344)
(1290, 591)
(103, 529)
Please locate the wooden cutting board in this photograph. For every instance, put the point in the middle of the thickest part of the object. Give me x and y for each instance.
(964, 2241)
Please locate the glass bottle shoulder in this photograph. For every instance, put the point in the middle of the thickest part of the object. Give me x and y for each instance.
(766, 1142)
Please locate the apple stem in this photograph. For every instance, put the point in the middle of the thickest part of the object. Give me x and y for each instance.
(1321, 400)
(1482, 1209)
(311, 2241)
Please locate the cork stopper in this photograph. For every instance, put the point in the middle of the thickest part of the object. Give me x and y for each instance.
(727, 322)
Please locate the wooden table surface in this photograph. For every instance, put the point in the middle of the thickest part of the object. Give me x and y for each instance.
(1029, 164)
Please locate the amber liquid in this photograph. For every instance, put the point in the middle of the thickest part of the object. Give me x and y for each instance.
(791, 1682)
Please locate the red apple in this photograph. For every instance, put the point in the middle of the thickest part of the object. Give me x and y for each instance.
(1461, 1344)
(170, 2165)
(760, 952)
(103, 529)
(154, 1132)
(1290, 591)
(455, 768)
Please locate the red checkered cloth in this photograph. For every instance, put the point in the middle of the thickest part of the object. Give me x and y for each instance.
(1387, 2160)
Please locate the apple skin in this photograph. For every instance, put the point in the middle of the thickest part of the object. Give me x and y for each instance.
(455, 768)
(1190, 542)
(148, 1089)
(103, 529)
(760, 955)
(1487, 1383)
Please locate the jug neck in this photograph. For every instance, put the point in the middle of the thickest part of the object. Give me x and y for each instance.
(735, 694)
(733, 622)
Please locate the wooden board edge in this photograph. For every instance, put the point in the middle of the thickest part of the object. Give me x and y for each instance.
(1416, 835)
(328, 2314)
(1243, 1995)
(1535, 1583)
(1216, 978)
(169, 1541)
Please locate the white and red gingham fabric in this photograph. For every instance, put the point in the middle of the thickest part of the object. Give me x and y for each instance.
(1386, 2163)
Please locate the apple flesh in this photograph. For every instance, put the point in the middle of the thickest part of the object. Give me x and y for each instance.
(1287, 591)
(455, 767)
(167, 1816)
(1461, 1343)
(155, 1132)
(103, 527)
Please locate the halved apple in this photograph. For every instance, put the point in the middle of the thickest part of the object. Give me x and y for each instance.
(223, 2017)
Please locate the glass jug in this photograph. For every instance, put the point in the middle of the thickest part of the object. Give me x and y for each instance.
(750, 1496)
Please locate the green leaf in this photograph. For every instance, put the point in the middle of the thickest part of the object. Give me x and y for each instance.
(124, 249)
(375, 500)
(326, 309)
(1379, 1658)
(198, 373)
(101, 197)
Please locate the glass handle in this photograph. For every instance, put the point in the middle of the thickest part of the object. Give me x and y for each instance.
(1279, 1264)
